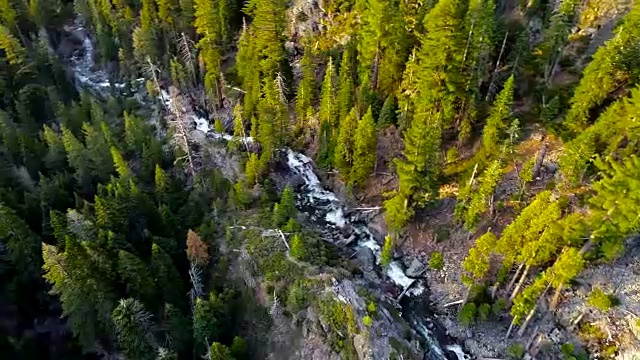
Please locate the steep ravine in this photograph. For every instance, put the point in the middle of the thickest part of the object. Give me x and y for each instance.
(321, 206)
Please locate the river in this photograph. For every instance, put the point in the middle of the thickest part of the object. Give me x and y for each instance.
(320, 204)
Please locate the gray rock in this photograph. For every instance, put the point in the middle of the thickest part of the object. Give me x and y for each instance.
(551, 167)
(366, 258)
(416, 269)
(296, 181)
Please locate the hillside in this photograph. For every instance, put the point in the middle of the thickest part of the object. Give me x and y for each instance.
(319, 179)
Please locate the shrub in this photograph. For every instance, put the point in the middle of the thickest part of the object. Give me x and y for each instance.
(437, 261)
(484, 311)
(515, 351)
(367, 321)
(498, 306)
(600, 300)
(467, 315)
(371, 308)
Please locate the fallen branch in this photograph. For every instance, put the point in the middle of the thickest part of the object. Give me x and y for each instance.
(284, 239)
(405, 290)
(368, 208)
(457, 302)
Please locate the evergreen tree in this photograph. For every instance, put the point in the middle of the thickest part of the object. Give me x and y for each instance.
(388, 113)
(167, 278)
(346, 83)
(286, 208)
(328, 115)
(134, 328)
(208, 316)
(56, 157)
(120, 164)
(346, 144)
(477, 262)
(220, 352)
(364, 154)
(136, 275)
(387, 251)
(609, 70)
(306, 95)
(298, 247)
(383, 45)
(499, 119)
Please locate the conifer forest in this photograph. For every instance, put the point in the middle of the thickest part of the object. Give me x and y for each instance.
(319, 179)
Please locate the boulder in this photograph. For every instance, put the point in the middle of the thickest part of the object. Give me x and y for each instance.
(416, 269)
(366, 258)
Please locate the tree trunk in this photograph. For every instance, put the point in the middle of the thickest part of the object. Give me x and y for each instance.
(515, 278)
(513, 323)
(491, 88)
(376, 67)
(523, 328)
(522, 279)
(540, 160)
(556, 297)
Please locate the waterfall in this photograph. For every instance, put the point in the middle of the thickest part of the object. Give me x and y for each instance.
(322, 205)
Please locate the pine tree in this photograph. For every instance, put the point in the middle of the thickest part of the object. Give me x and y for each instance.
(56, 157)
(383, 45)
(167, 278)
(134, 328)
(346, 83)
(77, 158)
(615, 203)
(387, 251)
(207, 318)
(13, 50)
(306, 95)
(364, 154)
(298, 247)
(397, 212)
(477, 262)
(286, 208)
(120, 164)
(98, 152)
(252, 169)
(220, 352)
(136, 275)
(608, 71)
(474, 201)
(555, 36)
(388, 113)
(346, 144)
(328, 115)
(499, 119)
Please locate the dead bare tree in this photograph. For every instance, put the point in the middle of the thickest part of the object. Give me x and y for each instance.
(181, 125)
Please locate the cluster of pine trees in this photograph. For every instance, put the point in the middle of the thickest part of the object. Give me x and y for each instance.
(98, 199)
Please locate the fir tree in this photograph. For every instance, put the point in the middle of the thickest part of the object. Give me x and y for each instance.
(346, 144)
(606, 72)
(306, 95)
(328, 115)
(364, 154)
(388, 113)
(166, 277)
(345, 83)
(134, 328)
(120, 164)
(387, 251)
(298, 247)
(136, 274)
(499, 119)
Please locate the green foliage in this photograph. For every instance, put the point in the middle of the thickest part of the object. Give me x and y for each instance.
(484, 311)
(328, 116)
(467, 315)
(499, 118)
(219, 127)
(364, 153)
(371, 308)
(436, 261)
(515, 351)
(600, 300)
(341, 321)
(397, 212)
(285, 209)
(367, 321)
(609, 70)
(306, 95)
(387, 251)
(208, 318)
(134, 327)
(346, 144)
(477, 262)
(218, 351)
(298, 247)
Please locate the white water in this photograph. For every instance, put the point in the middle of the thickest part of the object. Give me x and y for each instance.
(326, 201)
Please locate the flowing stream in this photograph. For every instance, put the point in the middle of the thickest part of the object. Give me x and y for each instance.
(322, 206)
